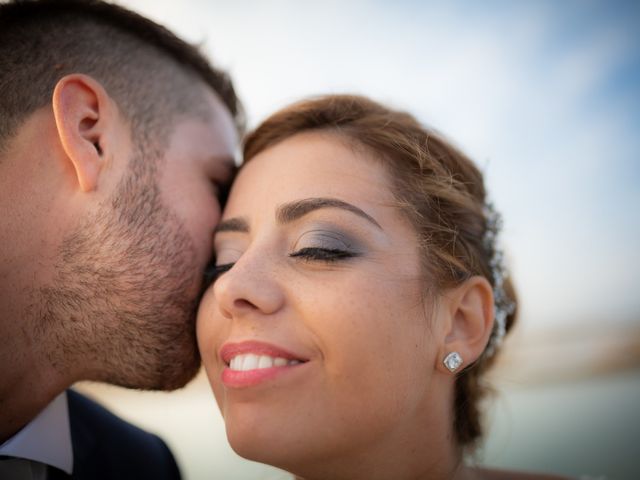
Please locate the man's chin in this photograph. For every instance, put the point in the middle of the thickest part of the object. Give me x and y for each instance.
(165, 374)
(179, 380)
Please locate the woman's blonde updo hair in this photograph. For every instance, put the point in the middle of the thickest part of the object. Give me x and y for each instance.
(439, 189)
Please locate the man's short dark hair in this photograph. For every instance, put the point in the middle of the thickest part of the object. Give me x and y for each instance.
(152, 75)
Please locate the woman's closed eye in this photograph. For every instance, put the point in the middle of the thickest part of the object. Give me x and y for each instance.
(324, 246)
(213, 271)
(224, 259)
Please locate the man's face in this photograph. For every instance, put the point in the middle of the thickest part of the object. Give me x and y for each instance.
(128, 280)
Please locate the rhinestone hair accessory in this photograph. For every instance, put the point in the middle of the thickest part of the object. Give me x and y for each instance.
(503, 305)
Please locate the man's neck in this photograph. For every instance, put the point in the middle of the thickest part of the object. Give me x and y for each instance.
(26, 389)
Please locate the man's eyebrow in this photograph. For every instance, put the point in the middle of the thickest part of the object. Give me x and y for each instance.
(224, 174)
(294, 210)
(236, 224)
(226, 161)
(225, 168)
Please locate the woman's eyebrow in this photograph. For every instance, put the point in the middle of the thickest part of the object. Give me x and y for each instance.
(236, 224)
(294, 210)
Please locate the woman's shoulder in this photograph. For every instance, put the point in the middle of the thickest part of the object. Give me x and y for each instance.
(498, 474)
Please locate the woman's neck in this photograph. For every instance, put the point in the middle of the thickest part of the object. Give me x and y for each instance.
(406, 457)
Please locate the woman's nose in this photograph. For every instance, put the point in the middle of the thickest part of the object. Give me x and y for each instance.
(248, 287)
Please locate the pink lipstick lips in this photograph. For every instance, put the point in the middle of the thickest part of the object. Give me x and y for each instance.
(250, 363)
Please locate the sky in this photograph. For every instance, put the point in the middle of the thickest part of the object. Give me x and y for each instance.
(543, 95)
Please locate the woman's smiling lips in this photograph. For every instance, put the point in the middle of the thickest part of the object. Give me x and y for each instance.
(252, 362)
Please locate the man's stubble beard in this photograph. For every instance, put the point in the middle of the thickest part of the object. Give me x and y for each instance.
(123, 301)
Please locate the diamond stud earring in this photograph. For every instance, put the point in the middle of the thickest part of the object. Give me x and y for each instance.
(453, 361)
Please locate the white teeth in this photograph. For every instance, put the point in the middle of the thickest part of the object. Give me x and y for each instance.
(265, 362)
(280, 362)
(251, 361)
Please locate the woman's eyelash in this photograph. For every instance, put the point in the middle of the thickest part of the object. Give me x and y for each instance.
(323, 254)
(212, 272)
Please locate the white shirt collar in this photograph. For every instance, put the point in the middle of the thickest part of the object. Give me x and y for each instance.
(46, 439)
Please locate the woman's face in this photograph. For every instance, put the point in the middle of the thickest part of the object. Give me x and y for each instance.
(317, 341)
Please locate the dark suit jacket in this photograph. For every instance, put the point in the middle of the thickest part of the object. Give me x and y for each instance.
(106, 447)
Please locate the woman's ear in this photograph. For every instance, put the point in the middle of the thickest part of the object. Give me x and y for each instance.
(470, 324)
(83, 114)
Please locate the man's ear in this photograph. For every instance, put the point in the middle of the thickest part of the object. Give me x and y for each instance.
(83, 113)
(470, 324)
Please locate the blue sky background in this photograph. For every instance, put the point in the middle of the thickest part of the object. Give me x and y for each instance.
(543, 95)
